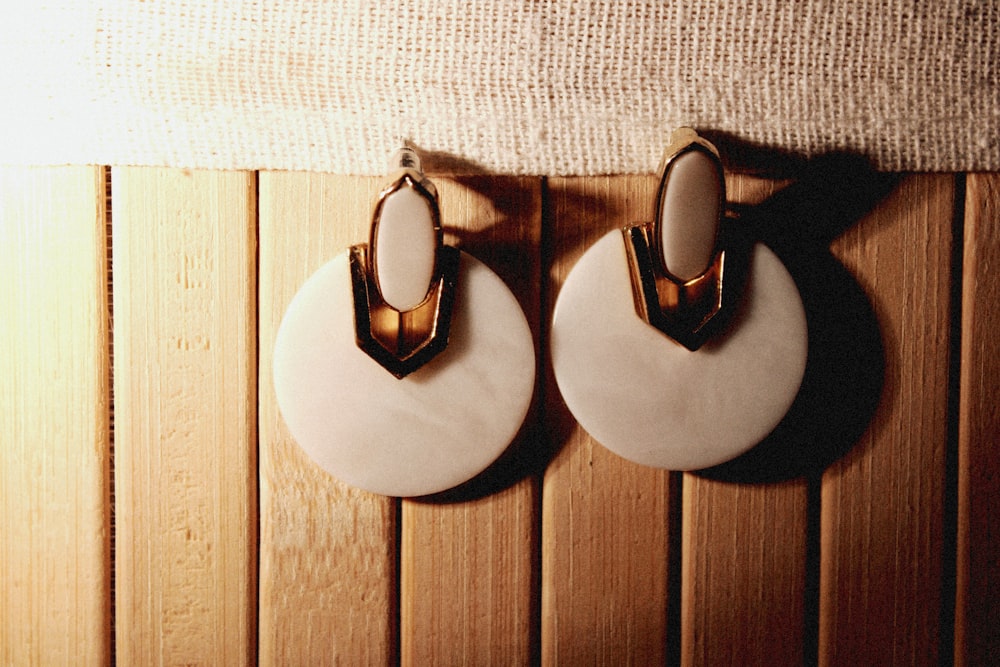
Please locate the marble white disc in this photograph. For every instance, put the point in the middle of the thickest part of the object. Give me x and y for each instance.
(654, 402)
(430, 431)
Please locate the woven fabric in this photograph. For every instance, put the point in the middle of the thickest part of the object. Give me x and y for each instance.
(531, 87)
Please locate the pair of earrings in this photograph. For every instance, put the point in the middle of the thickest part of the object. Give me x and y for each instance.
(406, 367)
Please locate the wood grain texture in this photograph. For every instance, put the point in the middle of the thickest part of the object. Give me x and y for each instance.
(604, 519)
(977, 612)
(347, 577)
(467, 559)
(882, 504)
(328, 592)
(743, 574)
(55, 596)
(185, 417)
(467, 580)
(744, 554)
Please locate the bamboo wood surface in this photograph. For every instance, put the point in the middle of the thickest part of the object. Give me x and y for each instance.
(565, 553)
(467, 592)
(744, 573)
(467, 586)
(328, 574)
(744, 554)
(605, 521)
(185, 416)
(883, 503)
(977, 613)
(55, 598)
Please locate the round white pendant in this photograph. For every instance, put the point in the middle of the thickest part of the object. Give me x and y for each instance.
(651, 400)
(428, 432)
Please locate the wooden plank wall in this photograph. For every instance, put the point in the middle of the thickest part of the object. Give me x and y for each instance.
(185, 415)
(863, 531)
(55, 569)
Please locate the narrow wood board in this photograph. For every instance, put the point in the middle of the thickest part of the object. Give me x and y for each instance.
(55, 595)
(604, 520)
(185, 418)
(468, 593)
(882, 504)
(744, 553)
(977, 612)
(743, 573)
(328, 579)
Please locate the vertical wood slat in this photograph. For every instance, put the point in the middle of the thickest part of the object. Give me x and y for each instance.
(467, 580)
(605, 542)
(185, 415)
(328, 552)
(55, 598)
(467, 586)
(882, 504)
(744, 555)
(977, 613)
(743, 574)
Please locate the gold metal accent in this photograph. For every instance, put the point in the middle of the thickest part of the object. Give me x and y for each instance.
(403, 341)
(689, 312)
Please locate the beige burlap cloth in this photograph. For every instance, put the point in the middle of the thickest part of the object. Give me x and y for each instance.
(527, 87)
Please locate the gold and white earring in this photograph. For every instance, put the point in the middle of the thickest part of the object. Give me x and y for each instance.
(404, 366)
(673, 346)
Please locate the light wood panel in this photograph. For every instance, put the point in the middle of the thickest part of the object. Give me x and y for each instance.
(467, 588)
(328, 576)
(977, 613)
(882, 504)
(744, 553)
(605, 556)
(55, 598)
(185, 418)
(467, 558)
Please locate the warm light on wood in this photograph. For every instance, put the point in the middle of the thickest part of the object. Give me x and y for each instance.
(564, 553)
(55, 596)
(883, 503)
(977, 613)
(328, 576)
(185, 416)
(605, 527)
(744, 554)
(466, 567)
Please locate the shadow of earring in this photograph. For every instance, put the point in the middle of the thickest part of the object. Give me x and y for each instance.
(845, 367)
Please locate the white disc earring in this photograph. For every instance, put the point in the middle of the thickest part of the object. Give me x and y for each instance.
(672, 345)
(404, 366)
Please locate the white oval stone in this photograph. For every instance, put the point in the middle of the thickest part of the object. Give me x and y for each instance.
(689, 214)
(434, 429)
(405, 242)
(654, 402)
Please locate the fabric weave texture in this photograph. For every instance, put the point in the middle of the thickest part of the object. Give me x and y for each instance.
(557, 87)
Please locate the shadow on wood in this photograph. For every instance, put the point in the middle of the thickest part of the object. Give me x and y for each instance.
(507, 242)
(846, 359)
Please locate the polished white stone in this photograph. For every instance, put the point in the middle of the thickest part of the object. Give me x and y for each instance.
(430, 431)
(405, 242)
(654, 402)
(689, 214)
